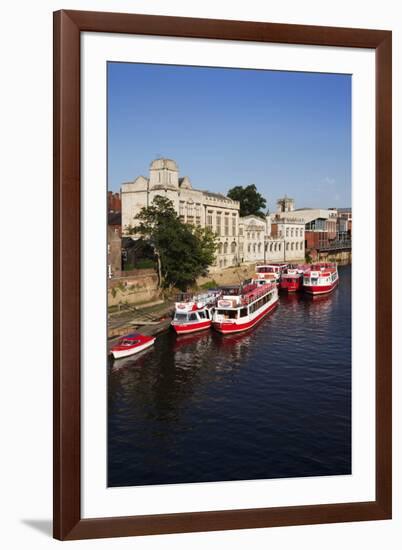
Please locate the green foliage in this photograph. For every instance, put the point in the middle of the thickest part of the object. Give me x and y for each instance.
(145, 263)
(184, 252)
(251, 201)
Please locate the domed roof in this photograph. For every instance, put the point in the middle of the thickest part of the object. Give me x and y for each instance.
(162, 163)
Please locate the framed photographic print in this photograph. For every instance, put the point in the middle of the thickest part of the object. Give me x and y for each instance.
(219, 363)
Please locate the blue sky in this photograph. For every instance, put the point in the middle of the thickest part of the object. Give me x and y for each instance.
(286, 132)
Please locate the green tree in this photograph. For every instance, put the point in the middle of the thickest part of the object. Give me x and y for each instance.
(183, 252)
(251, 201)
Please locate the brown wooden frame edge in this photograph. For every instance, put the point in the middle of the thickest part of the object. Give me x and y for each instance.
(68, 25)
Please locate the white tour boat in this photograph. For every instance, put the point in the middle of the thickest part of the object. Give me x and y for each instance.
(242, 307)
(321, 278)
(194, 313)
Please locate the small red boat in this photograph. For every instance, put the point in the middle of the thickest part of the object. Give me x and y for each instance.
(292, 278)
(194, 313)
(131, 344)
(320, 278)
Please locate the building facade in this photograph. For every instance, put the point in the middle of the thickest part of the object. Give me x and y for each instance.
(252, 234)
(114, 258)
(202, 208)
(278, 237)
(287, 238)
(113, 202)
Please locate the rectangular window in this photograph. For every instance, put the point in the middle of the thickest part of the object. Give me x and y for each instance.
(234, 226)
(218, 223)
(226, 225)
(209, 219)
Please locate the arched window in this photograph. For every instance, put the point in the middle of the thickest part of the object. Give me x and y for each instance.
(249, 248)
(301, 245)
(259, 247)
(292, 246)
(275, 247)
(233, 248)
(220, 248)
(225, 248)
(291, 232)
(254, 247)
(296, 232)
(270, 247)
(297, 246)
(287, 231)
(279, 247)
(287, 246)
(301, 232)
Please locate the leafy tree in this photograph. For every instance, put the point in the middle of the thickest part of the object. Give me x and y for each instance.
(183, 252)
(251, 201)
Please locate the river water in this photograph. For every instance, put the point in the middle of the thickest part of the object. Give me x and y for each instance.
(273, 402)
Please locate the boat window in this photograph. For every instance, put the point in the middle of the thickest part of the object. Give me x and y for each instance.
(201, 314)
(193, 317)
(243, 312)
(180, 316)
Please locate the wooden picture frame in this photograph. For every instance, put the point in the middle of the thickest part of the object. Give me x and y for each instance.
(68, 25)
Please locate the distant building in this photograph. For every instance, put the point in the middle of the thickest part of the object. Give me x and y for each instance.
(285, 205)
(113, 202)
(289, 232)
(113, 252)
(345, 222)
(203, 208)
(252, 233)
(114, 222)
(278, 237)
(320, 225)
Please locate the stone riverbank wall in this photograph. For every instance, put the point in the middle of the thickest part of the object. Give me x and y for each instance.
(134, 287)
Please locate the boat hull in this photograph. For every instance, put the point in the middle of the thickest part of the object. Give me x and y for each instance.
(316, 290)
(188, 328)
(291, 287)
(120, 354)
(230, 328)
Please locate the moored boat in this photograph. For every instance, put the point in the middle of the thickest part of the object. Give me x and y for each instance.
(194, 313)
(270, 272)
(292, 278)
(131, 344)
(242, 307)
(321, 278)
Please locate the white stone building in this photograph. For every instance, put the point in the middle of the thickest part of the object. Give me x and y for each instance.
(287, 239)
(252, 234)
(278, 237)
(203, 208)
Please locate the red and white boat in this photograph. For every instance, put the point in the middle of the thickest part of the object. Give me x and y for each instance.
(292, 278)
(194, 313)
(320, 278)
(131, 344)
(270, 272)
(242, 307)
